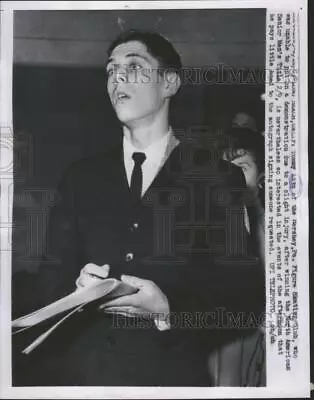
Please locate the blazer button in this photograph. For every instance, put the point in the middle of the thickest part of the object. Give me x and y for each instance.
(134, 227)
(129, 257)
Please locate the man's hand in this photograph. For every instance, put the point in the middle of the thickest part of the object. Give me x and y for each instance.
(91, 274)
(147, 301)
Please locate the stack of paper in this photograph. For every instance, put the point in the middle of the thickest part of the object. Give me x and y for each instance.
(108, 288)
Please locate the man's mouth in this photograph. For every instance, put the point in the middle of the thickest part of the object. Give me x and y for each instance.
(120, 97)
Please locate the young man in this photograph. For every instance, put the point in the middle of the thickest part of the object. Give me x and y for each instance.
(162, 216)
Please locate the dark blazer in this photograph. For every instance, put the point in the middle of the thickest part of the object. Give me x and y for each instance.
(187, 235)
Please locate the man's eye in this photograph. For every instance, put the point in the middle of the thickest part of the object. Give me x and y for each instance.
(134, 66)
(109, 72)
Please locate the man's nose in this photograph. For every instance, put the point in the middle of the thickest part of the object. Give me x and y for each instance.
(121, 75)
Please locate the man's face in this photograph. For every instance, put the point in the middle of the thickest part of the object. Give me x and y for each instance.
(135, 88)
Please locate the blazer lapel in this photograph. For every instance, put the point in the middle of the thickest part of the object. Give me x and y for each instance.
(118, 171)
(167, 174)
(170, 170)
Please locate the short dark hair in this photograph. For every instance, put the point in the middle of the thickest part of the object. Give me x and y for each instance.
(239, 139)
(158, 47)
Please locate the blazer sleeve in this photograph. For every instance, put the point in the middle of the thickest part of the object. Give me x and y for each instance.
(61, 262)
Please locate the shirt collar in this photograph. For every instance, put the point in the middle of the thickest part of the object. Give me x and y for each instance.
(155, 152)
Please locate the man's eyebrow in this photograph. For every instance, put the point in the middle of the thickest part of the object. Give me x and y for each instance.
(138, 55)
(128, 55)
(109, 61)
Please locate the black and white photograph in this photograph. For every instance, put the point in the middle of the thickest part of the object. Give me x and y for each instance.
(147, 194)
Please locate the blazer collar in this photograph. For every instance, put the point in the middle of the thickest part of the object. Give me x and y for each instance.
(172, 167)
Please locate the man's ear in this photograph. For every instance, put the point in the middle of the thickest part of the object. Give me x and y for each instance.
(172, 83)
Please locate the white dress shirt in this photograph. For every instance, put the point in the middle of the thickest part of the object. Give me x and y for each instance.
(156, 155)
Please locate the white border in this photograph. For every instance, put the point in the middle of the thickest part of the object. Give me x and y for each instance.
(6, 182)
(7, 8)
(301, 365)
(303, 203)
(149, 5)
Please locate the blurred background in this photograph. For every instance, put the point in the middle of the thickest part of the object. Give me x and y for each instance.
(61, 110)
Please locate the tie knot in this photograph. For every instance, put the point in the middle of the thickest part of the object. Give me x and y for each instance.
(138, 158)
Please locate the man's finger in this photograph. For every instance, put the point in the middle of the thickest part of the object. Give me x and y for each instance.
(134, 281)
(96, 270)
(125, 309)
(87, 280)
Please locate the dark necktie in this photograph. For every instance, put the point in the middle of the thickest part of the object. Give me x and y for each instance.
(137, 176)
